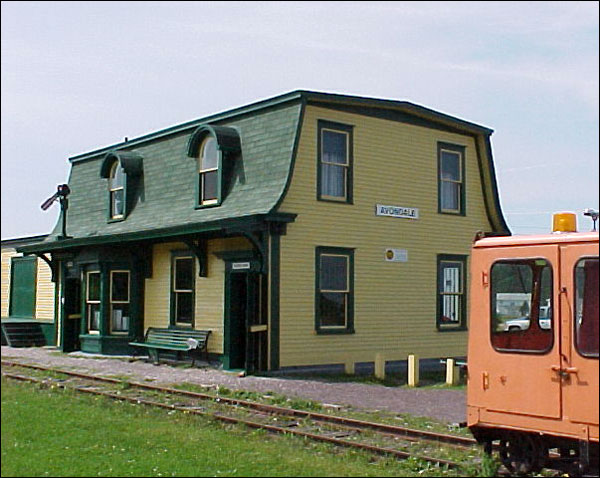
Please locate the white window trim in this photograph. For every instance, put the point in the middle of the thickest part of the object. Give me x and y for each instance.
(88, 302)
(111, 301)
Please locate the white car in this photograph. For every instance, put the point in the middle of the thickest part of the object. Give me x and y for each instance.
(522, 323)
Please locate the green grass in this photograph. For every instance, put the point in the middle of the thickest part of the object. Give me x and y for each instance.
(52, 432)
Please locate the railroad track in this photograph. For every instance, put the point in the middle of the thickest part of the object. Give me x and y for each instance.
(378, 438)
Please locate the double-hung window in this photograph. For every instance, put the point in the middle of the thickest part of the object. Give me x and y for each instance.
(451, 292)
(208, 173)
(119, 301)
(92, 300)
(334, 176)
(182, 290)
(334, 295)
(116, 191)
(451, 182)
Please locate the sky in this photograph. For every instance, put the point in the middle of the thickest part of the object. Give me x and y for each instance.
(77, 76)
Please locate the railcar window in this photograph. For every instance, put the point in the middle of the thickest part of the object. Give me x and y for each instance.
(586, 307)
(521, 306)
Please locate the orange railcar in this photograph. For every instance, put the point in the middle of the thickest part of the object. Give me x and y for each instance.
(533, 349)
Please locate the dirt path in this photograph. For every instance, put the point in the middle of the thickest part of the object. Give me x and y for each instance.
(444, 405)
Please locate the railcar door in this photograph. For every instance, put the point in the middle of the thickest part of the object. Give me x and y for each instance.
(520, 343)
(579, 310)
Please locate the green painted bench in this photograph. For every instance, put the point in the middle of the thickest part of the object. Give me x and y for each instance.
(194, 342)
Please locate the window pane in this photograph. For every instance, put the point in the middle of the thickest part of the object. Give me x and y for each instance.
(93, 286)
(209, 185)
(450, 288)
(450, 195)
(117, 202)
(334, 273)
(120, 286)
(451, 312)
(332, 309)
(586, 307)
(184, 307)
(334, 147)
(521, 305)
(333, 180)
(117, 179)
(450, 167)
(94, 316)
(210, 155)
(451, 277)
(184, 273)
(120, 318)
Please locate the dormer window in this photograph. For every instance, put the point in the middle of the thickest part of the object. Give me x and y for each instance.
(116, 190)
(208, 172)
(215, 149)
(123, 171)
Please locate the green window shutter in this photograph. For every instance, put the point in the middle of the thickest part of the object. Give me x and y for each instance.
(22, 287)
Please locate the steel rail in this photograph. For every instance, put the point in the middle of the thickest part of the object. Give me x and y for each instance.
(250, 424)
(395, 430)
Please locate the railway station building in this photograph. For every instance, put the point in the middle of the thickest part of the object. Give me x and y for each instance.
(308, 229)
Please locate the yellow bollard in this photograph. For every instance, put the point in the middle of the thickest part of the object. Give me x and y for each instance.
(349, 366)
(413, 370)
(452, 372)
(380, 366)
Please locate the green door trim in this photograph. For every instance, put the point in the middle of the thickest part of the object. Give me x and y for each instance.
(246, 264)
(22, 287)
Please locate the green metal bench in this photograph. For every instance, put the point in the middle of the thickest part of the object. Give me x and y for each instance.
(194, 342)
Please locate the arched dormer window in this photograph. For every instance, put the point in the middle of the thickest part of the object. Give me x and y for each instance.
(122, 169)
(116, 191)
(208, 172)
(213, 147)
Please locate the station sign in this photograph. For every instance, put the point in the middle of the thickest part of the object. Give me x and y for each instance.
(397, 211)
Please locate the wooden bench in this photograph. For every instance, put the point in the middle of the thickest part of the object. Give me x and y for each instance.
(194, 342)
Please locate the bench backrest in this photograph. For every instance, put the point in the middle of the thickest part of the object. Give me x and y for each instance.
(176, 336)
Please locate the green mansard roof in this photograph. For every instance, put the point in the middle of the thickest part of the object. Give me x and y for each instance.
(268, 131)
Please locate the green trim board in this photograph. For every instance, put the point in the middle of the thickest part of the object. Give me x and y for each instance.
(323, 125)
(451, 259)
(274, 313)
(218, 228)
(348, 328)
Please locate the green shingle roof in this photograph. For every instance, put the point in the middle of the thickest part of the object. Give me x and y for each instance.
(166, 198)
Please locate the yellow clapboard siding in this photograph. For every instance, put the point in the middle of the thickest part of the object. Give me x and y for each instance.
(44, 298)
(7, 253)
(395, 303)
(209, 291)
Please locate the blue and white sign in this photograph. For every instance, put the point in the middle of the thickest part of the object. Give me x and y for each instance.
(397, 211)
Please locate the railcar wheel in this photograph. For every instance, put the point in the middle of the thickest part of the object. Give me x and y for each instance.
(522, 453)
